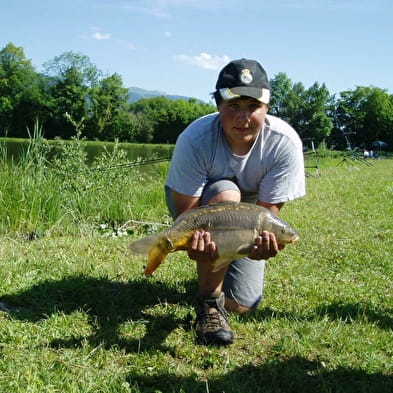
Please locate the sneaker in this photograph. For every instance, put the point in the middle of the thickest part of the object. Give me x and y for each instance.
(212, 327)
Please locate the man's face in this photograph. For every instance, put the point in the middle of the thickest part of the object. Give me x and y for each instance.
(242, 119)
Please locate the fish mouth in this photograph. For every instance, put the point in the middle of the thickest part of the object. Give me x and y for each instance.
(294, 240)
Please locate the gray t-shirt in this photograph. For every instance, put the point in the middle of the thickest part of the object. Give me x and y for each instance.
(272, 171)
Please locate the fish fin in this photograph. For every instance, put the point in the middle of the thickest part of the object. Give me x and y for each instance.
(153, 247)
(144, 246)
(219, 264)
(156, 256)
(222, 262)
(244, 249)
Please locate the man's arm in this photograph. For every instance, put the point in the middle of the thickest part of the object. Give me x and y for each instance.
(273, 207)
(182, 202)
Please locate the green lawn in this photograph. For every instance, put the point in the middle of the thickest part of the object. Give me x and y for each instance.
(77, 314)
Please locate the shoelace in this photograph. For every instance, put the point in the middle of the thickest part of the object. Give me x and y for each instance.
(213, 314)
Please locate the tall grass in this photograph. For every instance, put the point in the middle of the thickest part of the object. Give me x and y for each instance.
(29, 197)
(61, 196)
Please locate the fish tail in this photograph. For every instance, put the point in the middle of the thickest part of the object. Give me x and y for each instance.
(143, 246)
(156, 256)
(153, 247)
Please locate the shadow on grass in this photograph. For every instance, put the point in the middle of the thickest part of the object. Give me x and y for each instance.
(349, 312)
(110, 303)
(293, 375)
(107, 304)
(339, 311)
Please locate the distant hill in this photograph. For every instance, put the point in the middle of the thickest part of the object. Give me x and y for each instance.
(136, 93)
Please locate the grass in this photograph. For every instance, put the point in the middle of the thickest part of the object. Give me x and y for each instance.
(66, 195)
(79, 316)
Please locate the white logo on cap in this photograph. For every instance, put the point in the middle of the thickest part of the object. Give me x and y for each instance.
(246, 76)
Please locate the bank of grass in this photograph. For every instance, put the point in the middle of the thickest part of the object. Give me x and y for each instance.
(79, 316)
(70, 193)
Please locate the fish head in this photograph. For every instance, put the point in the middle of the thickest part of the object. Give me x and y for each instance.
(283, 231)
(289, 235)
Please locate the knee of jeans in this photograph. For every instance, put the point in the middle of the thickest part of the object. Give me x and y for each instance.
(219, 191)
(225, 196)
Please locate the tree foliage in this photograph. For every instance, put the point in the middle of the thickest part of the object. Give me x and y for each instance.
(170, 117)
(72, 93)
(305, 109)
(366, 114)
(21, 94)
(108, 110)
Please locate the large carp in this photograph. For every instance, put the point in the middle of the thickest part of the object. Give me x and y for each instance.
(233, 227)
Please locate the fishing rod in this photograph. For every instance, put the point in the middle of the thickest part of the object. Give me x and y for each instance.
(122, 166)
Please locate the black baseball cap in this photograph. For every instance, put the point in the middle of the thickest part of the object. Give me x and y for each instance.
(243, 77)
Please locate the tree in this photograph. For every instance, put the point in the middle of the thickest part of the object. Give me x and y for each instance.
(70, 77)
(293, 111)
(21, 93)
(68, 96)
(170, 117)
(142, 130)
(108, 109)
(365, 113)
(60, 65)
(378, 121)
(317, 124)
(280, 87)
(307, 110)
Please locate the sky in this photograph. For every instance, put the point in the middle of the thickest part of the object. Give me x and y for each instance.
(179, 46)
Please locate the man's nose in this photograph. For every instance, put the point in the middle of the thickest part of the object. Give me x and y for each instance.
(243, 114)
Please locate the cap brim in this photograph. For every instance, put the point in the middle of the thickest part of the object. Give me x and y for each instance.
(262, 95)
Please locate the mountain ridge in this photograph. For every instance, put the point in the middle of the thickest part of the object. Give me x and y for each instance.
(137, 93)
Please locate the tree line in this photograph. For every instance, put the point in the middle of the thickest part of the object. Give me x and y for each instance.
(72, 94)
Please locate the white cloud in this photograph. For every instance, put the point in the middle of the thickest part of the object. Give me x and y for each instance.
(204, 60)
(97, 35)
(168, 34)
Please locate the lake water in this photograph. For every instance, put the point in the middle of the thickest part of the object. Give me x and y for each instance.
(16, 148)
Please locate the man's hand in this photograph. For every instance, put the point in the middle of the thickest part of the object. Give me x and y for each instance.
(265, 246)
(202, 249)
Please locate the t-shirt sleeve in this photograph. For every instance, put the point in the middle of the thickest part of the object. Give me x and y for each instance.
(186, 172)
(285, 179)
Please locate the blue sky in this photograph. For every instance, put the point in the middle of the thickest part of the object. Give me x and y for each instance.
(179, 46)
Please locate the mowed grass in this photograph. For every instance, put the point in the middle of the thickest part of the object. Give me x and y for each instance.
(78, 315)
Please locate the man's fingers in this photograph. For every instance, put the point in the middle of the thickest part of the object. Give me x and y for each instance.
(201, 242)
(265, 246)
(194, 241)
(202, 247)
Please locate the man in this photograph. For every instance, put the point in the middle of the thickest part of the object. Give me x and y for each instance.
(238, 154)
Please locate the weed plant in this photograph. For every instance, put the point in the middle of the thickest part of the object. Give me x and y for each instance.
(78, 316)
(69, 194)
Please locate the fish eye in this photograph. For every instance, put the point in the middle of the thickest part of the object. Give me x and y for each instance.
(283, 230)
